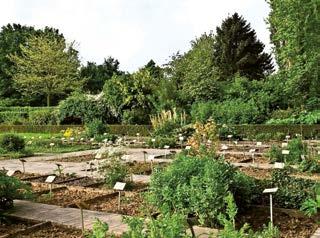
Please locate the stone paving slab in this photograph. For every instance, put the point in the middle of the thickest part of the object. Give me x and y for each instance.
(316, 234)
(65, 216)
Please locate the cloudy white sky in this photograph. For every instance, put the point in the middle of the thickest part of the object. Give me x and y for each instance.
(133, 31)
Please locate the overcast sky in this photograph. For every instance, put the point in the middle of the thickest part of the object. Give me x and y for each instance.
(133, 31)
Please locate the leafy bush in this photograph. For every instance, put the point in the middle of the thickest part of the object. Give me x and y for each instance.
(275, 154)
(229, 229)
(99, 230)
(135, 116)
(113, 171)
(310, 165)
(43, 117)
(292, 191)
(227, 112)
(311, 206)
(193, 185)
(160, 142)
(166, 123)
(168, 226)
(80, 108)
(296, 148)
(11, 188)
(95, 128)
(12, 143)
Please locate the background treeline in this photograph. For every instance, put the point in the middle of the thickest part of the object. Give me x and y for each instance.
(226, 75)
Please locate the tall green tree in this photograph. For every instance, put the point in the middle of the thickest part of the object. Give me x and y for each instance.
(295, 33)
(46, 65)
(95, 75)
(194, 72)
(237, 50)
(11, 37)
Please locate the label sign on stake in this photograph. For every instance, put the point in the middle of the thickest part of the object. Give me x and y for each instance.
(285, 152)
(50, 179)
(284, 145)
(119, 186)
(278, 165)
(259, 143)
(10, 172)
(188, 147)
(270, 190)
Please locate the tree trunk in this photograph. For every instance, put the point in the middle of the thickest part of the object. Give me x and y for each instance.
(48, 100)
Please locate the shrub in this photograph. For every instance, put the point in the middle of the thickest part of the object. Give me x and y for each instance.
(292, 191)
(296, 148)
(12, 143)
(11, 188)
(135, 116)
(193, 185)
(160, 142)
(165, 123)
(227, 112)
(168, 226)
(113, 171)
(43, 117)
(80, 108)
(95, 128)
(275, 154)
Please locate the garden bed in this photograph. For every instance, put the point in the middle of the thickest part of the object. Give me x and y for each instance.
(68, 197)
(131, 203)
(291, 223)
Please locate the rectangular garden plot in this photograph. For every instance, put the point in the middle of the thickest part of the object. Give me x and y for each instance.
(131, 204)
(69, 197)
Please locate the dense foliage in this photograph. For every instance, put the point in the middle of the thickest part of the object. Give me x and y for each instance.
(197, 186)
(11, 188)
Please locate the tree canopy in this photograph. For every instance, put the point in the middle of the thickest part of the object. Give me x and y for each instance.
(237, 50)
(46, 65)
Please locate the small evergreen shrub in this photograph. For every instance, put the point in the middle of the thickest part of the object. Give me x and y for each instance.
(12, 143)
(95, 128)
(11, 188)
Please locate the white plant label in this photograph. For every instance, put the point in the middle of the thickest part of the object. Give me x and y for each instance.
(259, 143)
(224, 147)
(229, 136)
(285, 152)
(98, 156)
(270, 190)
(188, 147)
(10, 173)
(284, 145)
(50, 179)
(278, 165)
(151, 157)
(119, 186)
(166, 147)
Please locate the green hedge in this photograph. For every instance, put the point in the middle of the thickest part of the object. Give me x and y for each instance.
(308, 131)
(34, 128)
(250, 131)
(131, 130)
(24, 109)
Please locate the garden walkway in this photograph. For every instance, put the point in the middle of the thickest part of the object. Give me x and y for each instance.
(65, 216)
(71, 217)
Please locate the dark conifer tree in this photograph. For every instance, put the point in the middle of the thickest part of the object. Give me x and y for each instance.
(237, 50)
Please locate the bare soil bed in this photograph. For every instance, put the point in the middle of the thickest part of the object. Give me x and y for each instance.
(82, 158)
(291, 223)
(53, 231)
(69, 197)
(131, 204)
(256, 173)
(246, 159)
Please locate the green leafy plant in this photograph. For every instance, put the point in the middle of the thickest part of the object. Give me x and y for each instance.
(311, 206)
(229, 224)
(12, 143)
(165, 226)
(99, 230)
(113, 171)
(11, 188)
(194, 186)
(95, 128)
